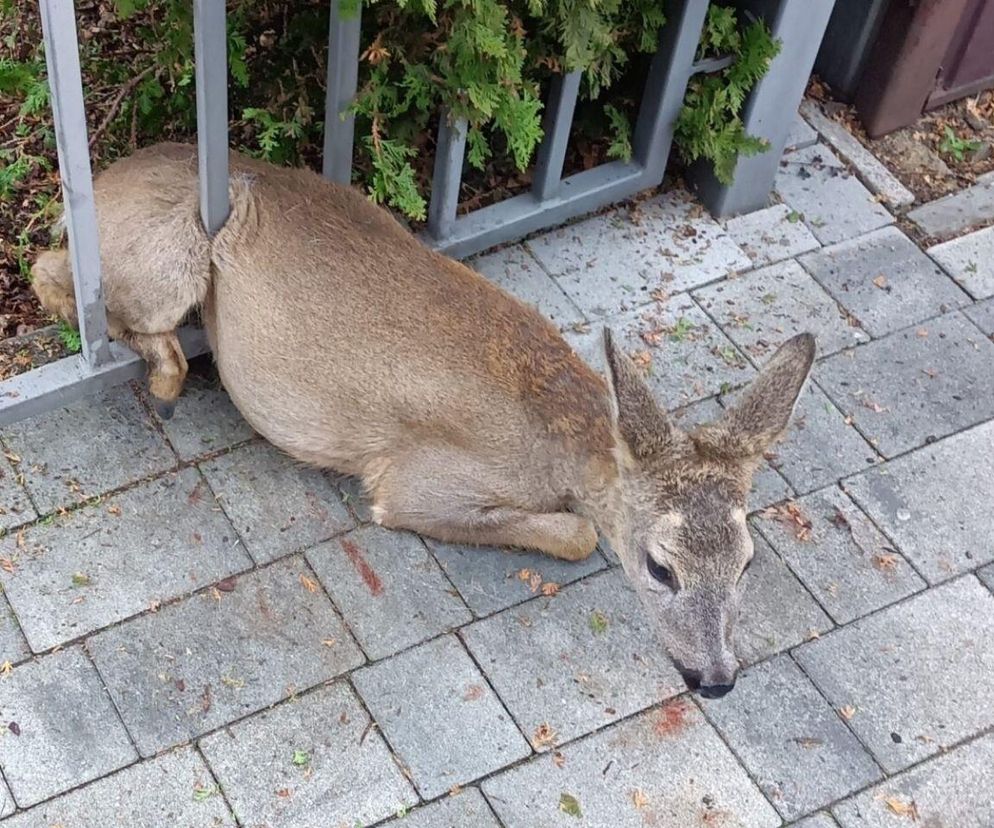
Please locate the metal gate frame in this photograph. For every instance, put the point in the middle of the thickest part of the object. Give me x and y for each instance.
(552, 199)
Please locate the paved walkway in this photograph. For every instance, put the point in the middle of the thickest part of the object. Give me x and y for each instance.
(200, 632)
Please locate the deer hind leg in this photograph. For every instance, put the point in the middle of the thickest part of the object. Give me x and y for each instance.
(441, 495)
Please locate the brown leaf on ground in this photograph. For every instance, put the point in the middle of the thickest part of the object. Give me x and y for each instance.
(639, 799)
(880, 281)
(885, 562)
(114, 510)
(473, 692)
(8, 565)
(558, 759)
(847, 712)
(921, 333)
(875, 407)
(308, 583)
(899, 806)
(790, 515)
(544, 736)
(550, 588)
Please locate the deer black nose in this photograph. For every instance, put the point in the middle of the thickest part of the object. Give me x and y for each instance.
(715, 691)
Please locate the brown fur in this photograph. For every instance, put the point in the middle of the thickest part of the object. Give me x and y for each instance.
(348, 344)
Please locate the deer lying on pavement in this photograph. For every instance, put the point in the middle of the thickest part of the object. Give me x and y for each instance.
(351, 346)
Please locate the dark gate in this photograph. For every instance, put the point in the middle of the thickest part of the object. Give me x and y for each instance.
(968, 65)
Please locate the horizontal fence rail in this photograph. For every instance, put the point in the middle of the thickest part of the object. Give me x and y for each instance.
(552, 198)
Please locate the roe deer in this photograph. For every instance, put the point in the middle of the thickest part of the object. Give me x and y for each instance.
(351, 346)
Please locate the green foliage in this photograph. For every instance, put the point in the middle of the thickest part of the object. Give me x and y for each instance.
(621, 134)
(69, 337)
(710, 124)
(957, 147)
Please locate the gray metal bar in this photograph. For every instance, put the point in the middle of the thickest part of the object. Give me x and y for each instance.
(343, 78)
(666, 85)
(557, 124)
(516, 217)
(58, 19)
(67, 380)
(210, 44)
(772, 105)
(447, 175)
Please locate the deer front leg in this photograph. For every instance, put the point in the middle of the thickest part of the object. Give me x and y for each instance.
(167, 366)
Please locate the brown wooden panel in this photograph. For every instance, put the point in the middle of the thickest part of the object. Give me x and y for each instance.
(968, 65)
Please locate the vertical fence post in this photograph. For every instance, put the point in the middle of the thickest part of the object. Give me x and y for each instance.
(771, 106)
(58, 18)
(446, 176)
(557, 124)
(666, 85)
(343, 78)
(210, 44)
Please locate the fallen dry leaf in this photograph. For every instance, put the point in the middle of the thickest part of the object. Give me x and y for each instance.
(473, 692)
(847, 712)
(308, 583)
(898, 806)
(544, 736)
(558, 759)
(875, 407)
(8, 565)
(880, 281)
(921, 333)
(790, 515)
(114, 510)
(885, 562)
(6, 668)
(639, 799)
(550, 588)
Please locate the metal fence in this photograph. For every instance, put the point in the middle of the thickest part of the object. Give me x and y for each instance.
(551, 200)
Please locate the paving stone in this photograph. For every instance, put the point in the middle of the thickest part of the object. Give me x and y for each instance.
(834, 204)
(970, 260)
(106, 562)
(7, 804)
(776, 613)
(437, 712)
(683, 354)
(174, 789)
(312, 762)
(791, 742)
(876, 176)
(577, 676)
(277, 505)
(492, 579)
(353, 496)
(517, 271)
(771, 235)
(819, 447)
(222, 654)
(801, 135)
(13, 647)
(915, 385)
(817, 821)
(669, 759)
(982, 315)
(953, 789)
(849, 566)
(391, 591)
(612, 262)
(762, 309)
(205, 419)
(97, 444)
(912, 672)
(987, 576)
(884, 280)
(929, 503)
(15, 505)
(959, 211)
(63, 730)
(468, 809)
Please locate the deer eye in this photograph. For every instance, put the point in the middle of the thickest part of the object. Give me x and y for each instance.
(659, 572)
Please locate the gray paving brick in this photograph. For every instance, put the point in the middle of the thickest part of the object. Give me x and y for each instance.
(174, 790)
(277, 505)
(929, 503)
(309, 763)
(771, 235)
(614, 262)
(844, 560)
(15, 505)
(492, 579)
(353, 496)
(801, 135)
(683, 354)
(777, 612)
(390, 590)
(517, 271)
(13, 647)
(60, 730)
(97, 444)
(7, 804)
(205, 419)
(884, 280)
(819, 447)
(834, 204)
(915, 385)
(222, 654)
(574, 678)
(468, 809)
(791, 742)
(959, 211)
(911, 673)
(438, 713)
(970, 260)
(817, 821)
(109, 561)
(665, 767)
(764, 308)
(953, 789)
(982, 315)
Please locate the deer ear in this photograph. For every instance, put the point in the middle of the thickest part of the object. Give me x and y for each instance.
(642, 423)
(763, 412)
